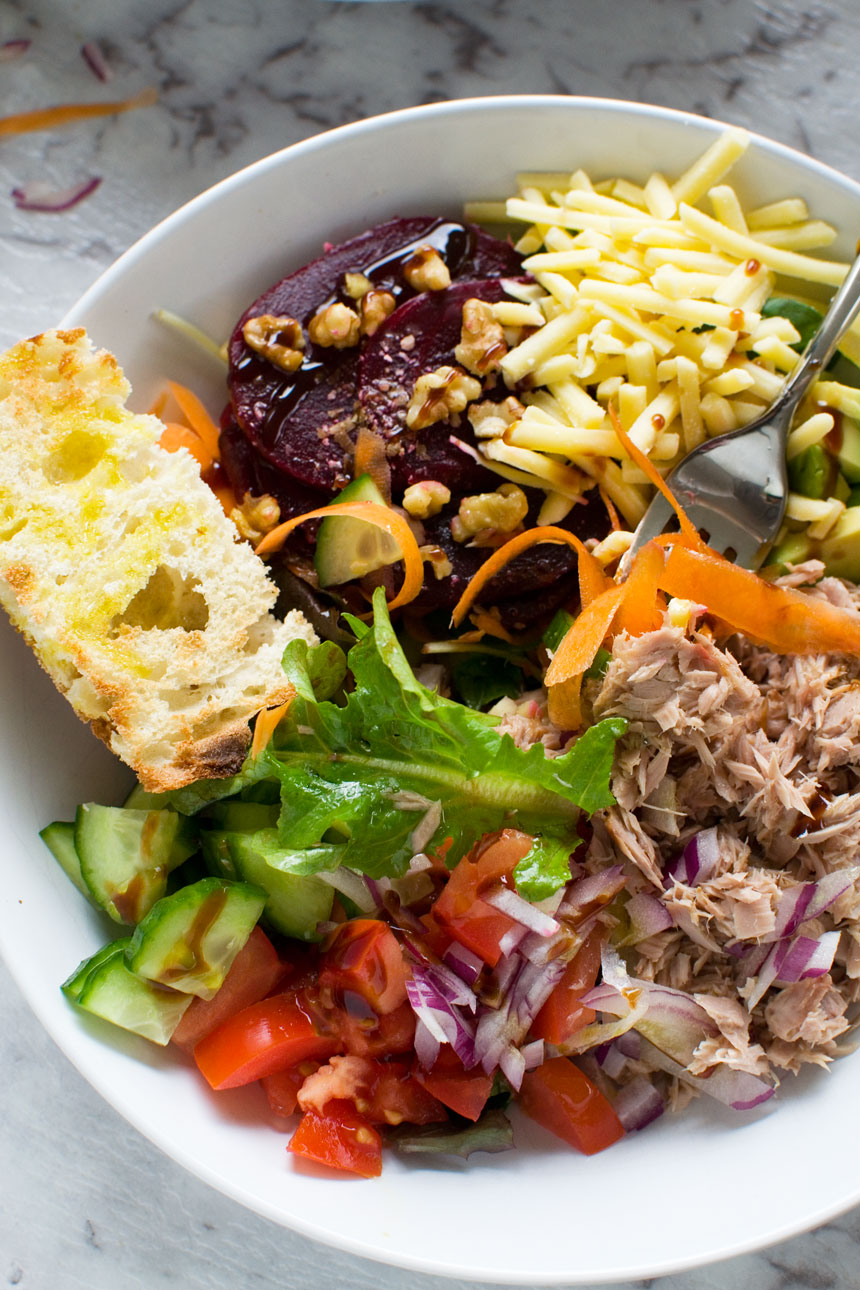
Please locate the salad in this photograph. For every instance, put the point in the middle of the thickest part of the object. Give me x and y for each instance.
(525, 830)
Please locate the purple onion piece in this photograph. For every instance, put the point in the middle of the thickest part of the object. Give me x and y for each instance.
(596, 890)
(441, 1018)
(648, 916)
(737, 1089)
(426, 1045)
(698, 861)
(805, 957)
(38, 196)
(95, 60)
(462, 961)
(521, 911)
(534, 1054)
(808, 900)
(513, 1066)
(638, 1104)
(13, 49)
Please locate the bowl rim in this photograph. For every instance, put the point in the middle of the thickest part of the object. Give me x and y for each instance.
(131, 256)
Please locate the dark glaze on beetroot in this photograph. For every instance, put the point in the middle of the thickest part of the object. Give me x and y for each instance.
(304, 422)
(292, 434)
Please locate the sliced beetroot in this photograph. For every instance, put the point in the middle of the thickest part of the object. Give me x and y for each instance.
(420, 337)
(248, 472)
(304, 422)
(534, 584)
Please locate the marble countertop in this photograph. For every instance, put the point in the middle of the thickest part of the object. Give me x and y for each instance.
(85, 1202)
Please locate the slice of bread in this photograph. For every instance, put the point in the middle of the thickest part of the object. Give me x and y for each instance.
(120, 568)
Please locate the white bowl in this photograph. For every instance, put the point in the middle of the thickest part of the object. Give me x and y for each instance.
(694, 1188)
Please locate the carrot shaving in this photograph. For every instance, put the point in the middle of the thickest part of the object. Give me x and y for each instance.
(785, 620)
(228, 499)
(175, 436)
(564, 705)
(158, 405)
(610, 508)
(266, 723)
(197, 417)
(65, 113)
(642, 607)
(370, 459)
(579, 647)
(383, 518)
(489, 625)
(515, 547)
(636, 454)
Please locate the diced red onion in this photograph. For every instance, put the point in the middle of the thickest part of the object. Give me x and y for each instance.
(440, 1017)
(673, 1020)
(38, 196)
(13, 49)
(612, 1060)
(521, 911)
(426, 1045)
(698, 861)
(512, 938)
(513, 1066)
(638, 1104)
(426, 827)
(95, 60)
(648, 916)
(462, 961)
(629, 1044)
(809, 900)
(534, 1054)
(737, 1089)
(790, 961)
(352, 885)
(587, 894)
(375, 891)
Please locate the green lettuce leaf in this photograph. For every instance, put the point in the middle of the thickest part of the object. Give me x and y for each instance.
(362, 775)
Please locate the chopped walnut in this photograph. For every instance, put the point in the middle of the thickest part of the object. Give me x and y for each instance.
(438, 561)
(491, 420)
(426, 270)
(482, 340)
(356, 285)
(426, 498)
(439, 394)
(279, 339)
(502, 511)
(375, 307)
(256, 517)
(338, 325)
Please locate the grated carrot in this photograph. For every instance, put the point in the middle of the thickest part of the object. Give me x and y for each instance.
(65, 113)
(499, 559)
(579, 647)
(197, 417)
(370, 460)
(642, 607)
(637, 455)
(610, 508)
(266, 723)
(384, 518)
(176, 436)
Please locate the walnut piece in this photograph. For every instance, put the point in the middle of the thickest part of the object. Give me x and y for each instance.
(425, 498)
(375, 307)
(425, 270)
(491, 420)
(256, 517)
(437, 395)
(337, 326)
(356, 285)
(279, 339)
(502, 511)
(438, 561)
(482, 340)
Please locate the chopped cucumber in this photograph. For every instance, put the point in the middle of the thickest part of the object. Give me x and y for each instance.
(848, 455)
(216, 853)
(840, 550)
(295, 903)
(74, 985)
(348, 548)
(793, 549)
(139, 800)
(812, 472)
(126, 855)
(111, 991)
(59, 838)
(188, 941)
(242, 817)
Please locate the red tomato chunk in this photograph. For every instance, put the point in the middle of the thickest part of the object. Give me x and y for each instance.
(341, 1139)
(564, 1100)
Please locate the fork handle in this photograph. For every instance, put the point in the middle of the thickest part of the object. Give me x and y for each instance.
(820, 350)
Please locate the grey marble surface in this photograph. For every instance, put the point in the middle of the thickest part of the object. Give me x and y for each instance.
(84, 1201)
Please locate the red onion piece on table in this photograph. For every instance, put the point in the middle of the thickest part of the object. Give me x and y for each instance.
(38, 196)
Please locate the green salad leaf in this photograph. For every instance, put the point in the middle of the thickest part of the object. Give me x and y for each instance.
(357, 778)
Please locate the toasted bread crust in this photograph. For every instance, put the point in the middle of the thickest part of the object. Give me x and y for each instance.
(122, 572)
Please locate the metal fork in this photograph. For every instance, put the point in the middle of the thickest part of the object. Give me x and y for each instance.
(734, 488)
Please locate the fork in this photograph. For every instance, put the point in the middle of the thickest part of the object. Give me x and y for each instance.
(734, 488)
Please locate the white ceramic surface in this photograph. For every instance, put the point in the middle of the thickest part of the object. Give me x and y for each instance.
(693, 1189)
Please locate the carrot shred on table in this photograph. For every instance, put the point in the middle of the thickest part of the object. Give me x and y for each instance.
(383, 518)
(65, 113)
(197, 417)
(514, 547)
(266, 723)
(636, 454)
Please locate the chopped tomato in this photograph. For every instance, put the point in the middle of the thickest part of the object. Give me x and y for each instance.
(369, 1035)
(564, 1100)
(341, 1139)
(383, 1092)
(460, 909)
(282, 1088)
(255, 971)
(562, 1014)
(463, 1091)
(364, 958)
(270, 1036)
